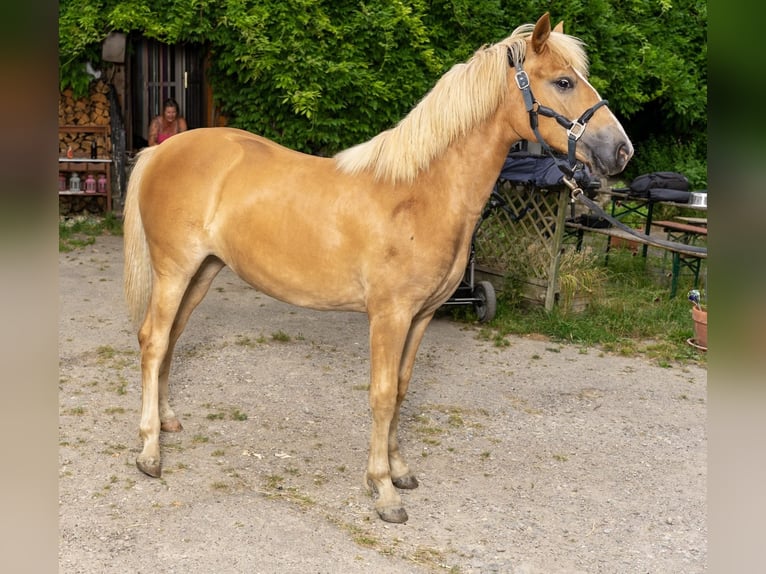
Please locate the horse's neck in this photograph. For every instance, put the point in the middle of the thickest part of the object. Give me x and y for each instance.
(472, 163)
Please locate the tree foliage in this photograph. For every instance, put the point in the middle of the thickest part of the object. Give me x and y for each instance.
(321, 75)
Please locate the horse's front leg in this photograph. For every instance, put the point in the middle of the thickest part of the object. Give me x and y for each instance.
(400, 472)
(387, 338)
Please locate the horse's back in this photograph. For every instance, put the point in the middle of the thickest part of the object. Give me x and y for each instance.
(203, 173)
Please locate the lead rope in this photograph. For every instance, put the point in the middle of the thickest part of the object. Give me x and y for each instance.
(577, 194)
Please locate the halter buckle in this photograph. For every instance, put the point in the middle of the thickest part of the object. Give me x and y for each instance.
(576, 130)
(522, 80)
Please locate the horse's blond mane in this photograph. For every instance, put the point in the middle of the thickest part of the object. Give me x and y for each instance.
(462, 98)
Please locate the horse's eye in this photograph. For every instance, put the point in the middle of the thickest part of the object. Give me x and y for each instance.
(564, 84)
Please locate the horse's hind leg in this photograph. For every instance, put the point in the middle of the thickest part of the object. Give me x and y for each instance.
(153, 338)
(173, 299)
(195, 293)
(400, 472)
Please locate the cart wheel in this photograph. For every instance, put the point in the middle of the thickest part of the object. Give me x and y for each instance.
(485, 305)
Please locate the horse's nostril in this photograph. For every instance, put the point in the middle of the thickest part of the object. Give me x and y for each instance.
(625, 152)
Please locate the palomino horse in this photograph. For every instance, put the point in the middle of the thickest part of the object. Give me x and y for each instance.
(382, 228)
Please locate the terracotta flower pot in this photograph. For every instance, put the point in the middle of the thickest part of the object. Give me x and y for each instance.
(699, 316)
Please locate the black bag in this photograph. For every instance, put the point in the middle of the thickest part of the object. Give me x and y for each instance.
(640, 186)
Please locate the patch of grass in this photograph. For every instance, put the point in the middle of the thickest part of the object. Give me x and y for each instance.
(106, 353)
(81, 230)
(238, 415)
(281, 337)
(633, 315)
(428, 556)
(455, 420)
(292, 470)
(366, 540)
(245, 341)
(114, 449)
(361, 536)
(274, 482)
(121, 386)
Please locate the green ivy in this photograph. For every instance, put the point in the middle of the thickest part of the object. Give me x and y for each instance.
(321, 75)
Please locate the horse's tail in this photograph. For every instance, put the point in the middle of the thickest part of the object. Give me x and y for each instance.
(137, 279)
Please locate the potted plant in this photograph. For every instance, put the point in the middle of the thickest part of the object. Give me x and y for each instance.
(699, 316)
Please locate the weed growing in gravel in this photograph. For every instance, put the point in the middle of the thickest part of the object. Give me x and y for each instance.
(244, 341)
(238, 415)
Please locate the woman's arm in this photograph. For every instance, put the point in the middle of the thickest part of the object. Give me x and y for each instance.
(154, 129)
(182, 125)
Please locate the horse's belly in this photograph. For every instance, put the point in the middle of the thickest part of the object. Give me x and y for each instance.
(316, 284)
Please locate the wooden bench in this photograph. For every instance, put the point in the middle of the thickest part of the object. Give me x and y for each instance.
(682, 256)
(701, 221)
(683, 232)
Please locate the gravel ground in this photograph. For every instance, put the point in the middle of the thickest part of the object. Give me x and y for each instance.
(535, 457)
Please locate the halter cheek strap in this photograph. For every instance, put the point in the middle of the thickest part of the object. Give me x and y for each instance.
(575, 129)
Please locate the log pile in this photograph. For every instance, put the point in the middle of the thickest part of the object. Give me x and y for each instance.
(92, 110)
(93, 203)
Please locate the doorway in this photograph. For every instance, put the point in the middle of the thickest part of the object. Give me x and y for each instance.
(159, 71)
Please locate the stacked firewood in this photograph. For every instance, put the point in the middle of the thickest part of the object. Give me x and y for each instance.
(92, 110)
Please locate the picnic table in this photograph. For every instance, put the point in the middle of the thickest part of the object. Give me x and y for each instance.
(682, 232)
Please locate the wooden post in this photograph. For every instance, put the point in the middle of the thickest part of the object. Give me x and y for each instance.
(556, 241)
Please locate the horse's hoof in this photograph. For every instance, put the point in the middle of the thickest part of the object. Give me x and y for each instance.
(171, 425)
(396, 514)
(407, 482)
(151, 466)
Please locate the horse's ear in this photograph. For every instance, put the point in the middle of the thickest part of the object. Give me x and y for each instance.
(541, 32)
(559, 27)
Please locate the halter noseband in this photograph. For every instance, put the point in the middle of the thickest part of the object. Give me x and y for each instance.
(575, 129)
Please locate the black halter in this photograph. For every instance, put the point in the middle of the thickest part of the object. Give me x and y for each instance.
(575, 129)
